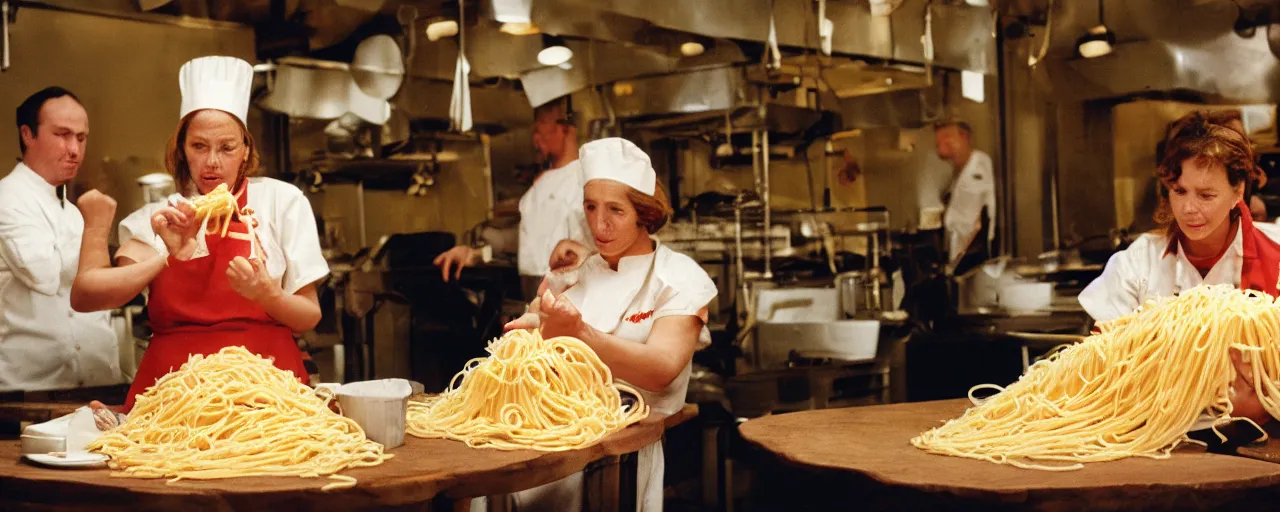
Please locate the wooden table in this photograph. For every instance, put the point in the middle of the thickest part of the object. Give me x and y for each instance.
(863, 455)
(423, 471)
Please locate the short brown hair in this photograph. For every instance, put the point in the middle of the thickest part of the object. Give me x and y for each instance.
(1209, 138)
(947, 123)
(175, 159)
(652, 212)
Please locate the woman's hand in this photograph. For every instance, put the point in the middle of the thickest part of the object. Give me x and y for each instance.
(559, 317)
(178, 228)
(568, 254)
(249, 279)
(1244, 400)
(528, 321)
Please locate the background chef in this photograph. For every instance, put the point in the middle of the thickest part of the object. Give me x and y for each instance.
(44, 345)
(640, 306)
(969, 220)
(550, 211)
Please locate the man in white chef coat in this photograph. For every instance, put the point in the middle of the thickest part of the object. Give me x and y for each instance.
(969, 220)
(44, 344)
(550, 211)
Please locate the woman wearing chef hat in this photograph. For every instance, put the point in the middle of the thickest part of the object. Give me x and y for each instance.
(254, 287)
(641, 306)
(1207, 168)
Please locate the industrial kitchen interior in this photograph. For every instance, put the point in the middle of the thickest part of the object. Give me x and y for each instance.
(909, 254)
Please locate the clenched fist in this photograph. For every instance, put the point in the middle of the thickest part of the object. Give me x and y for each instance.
(98, 209)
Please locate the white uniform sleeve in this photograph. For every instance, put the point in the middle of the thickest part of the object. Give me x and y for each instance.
(1117, 292)
(299, 238)
(30, 250)
(137, 226)
(690, 288)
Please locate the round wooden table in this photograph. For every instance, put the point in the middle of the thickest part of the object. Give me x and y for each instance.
(863, 455)
(422, 471)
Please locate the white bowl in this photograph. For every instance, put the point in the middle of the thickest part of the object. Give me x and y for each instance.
(1026, 297)
(379, 407)
(36, 444)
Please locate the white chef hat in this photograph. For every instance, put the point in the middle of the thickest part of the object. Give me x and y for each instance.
(619, 160)
(222, 83)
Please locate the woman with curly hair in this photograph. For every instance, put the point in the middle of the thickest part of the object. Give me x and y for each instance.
(1206, 176)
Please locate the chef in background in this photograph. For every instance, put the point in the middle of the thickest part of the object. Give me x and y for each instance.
(44, 345)
(550, 211)
(969, 220)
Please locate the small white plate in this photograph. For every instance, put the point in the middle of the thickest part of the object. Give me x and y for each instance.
(83, 460)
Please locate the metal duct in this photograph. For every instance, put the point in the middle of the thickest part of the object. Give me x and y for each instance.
(1165, 46)
(686, 93)
(963, 35)
(903, 109)
(493, 108)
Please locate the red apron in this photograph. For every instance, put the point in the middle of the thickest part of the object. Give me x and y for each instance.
(1261, 256)
(193, 310)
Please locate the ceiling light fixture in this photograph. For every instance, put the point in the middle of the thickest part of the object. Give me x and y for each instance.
(519, 28)
(1098, 41)
(441, 28)
(554, 52)
(692, 49)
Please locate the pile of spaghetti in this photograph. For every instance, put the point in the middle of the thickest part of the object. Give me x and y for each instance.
(233, 414)
(549, 395)
(1133, 390)
(216, 209)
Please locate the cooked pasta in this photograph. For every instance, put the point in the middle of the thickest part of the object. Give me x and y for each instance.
(535, 393)
(217, 209)
(1133, 390)
(233, 414)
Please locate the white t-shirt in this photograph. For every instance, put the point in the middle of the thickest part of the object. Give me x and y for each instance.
(286, 227)
(551, 211)
(44, 344)
(974, 189)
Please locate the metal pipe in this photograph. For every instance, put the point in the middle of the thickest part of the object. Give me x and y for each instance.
(4, 12)
(364, 241)
(768, 220)
(143, 17)
(487, 146)
(755, 160)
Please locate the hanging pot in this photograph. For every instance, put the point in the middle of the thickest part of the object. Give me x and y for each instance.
(309, 88)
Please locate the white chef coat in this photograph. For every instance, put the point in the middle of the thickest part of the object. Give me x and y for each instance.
(44, 344)
(1146, 270)
(286, 228)
(551, 211)
(973, 189)
(626, 303)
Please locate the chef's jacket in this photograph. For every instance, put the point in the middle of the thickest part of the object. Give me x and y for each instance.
(626, 303)
(44, 344)
(551, 211)
(972, 190)
(286, 228)
(1148, 269)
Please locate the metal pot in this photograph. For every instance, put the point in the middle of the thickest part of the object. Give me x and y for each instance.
(309, 88)
(859, 293)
